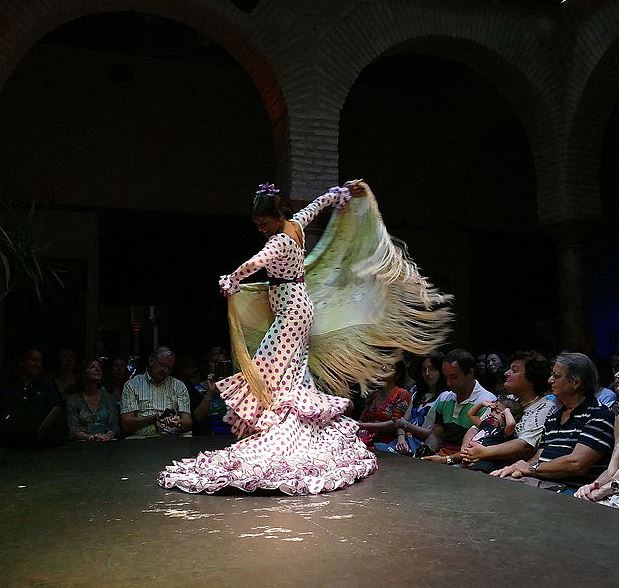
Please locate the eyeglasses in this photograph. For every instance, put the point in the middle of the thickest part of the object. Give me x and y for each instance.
(554, 376)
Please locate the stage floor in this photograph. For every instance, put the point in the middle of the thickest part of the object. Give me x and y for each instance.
(93, 515)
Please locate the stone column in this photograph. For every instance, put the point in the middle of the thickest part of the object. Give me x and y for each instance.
(575, 334)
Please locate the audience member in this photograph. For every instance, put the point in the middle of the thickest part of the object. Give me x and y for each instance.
(64, 375)
(605, 489)
(493, 428)
(154, 402)
(116, 374)
(526, 380)
(452, 420)
(384, 405)
(416, 424)
(409, 380)
(578, 437)
(92, 412)
(210, 360)
(207, 408)
(494, 372)
(606, 396)
(494, 424)
(30, 408)
(480, 368)
(614, 368)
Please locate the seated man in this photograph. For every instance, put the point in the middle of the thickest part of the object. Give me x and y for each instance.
(452, 420)
(30, 409)
(578, 438)
(155, 403)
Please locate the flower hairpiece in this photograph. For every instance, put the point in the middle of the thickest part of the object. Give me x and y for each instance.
(267, 189)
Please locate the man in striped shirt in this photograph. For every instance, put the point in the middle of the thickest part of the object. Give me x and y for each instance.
(578, 438)
(148, 395)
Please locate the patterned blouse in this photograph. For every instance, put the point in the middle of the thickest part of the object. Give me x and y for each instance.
(81, 418)
(393, 407)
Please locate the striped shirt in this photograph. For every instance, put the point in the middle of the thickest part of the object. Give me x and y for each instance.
(590, 424)
(142, 395)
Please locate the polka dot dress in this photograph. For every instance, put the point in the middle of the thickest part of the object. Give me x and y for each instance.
(301, 444)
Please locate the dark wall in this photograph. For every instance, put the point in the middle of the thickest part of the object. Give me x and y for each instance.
(90, 128)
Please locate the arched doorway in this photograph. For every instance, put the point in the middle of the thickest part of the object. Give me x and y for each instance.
(146, 138)
(453, 171)
(603, 249)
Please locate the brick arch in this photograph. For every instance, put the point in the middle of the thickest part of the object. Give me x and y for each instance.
(506, 53)
(511, 85)
(24, 24)
(594, 94)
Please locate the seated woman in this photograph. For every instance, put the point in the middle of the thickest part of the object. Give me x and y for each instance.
(116, 374)
(384, 406)
(416, 424)
(495, 367)
(92, 413)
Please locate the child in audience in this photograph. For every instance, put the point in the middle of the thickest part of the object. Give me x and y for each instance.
(493, 427)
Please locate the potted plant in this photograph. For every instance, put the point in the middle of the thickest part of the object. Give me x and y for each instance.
(20, 265)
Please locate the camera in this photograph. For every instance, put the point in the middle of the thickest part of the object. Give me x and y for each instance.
(167, 413)
(222, 369)
(423, 451)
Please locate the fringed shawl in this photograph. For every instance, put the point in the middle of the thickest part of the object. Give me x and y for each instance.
(371, 304)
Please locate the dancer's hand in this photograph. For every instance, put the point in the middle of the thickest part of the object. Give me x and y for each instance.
(357, 188)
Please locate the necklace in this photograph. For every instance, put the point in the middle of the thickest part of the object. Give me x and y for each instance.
(531, 401)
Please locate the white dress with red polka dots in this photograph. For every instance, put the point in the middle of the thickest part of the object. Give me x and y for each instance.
(301, 444)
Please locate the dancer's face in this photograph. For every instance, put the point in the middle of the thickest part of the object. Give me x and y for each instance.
(268, 225)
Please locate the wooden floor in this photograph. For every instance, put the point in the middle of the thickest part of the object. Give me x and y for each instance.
(93, 515)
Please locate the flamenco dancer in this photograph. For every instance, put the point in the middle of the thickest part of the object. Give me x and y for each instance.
(344, 315)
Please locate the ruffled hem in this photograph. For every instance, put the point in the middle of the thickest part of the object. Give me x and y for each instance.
(246, 415)
(294, 457)
(213, 471)
(293, 486)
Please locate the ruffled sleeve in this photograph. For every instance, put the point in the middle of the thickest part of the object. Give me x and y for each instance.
(273, 249)
(337, 196)
(229, 284)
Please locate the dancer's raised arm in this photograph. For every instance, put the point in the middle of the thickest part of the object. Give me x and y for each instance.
(229, 284)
